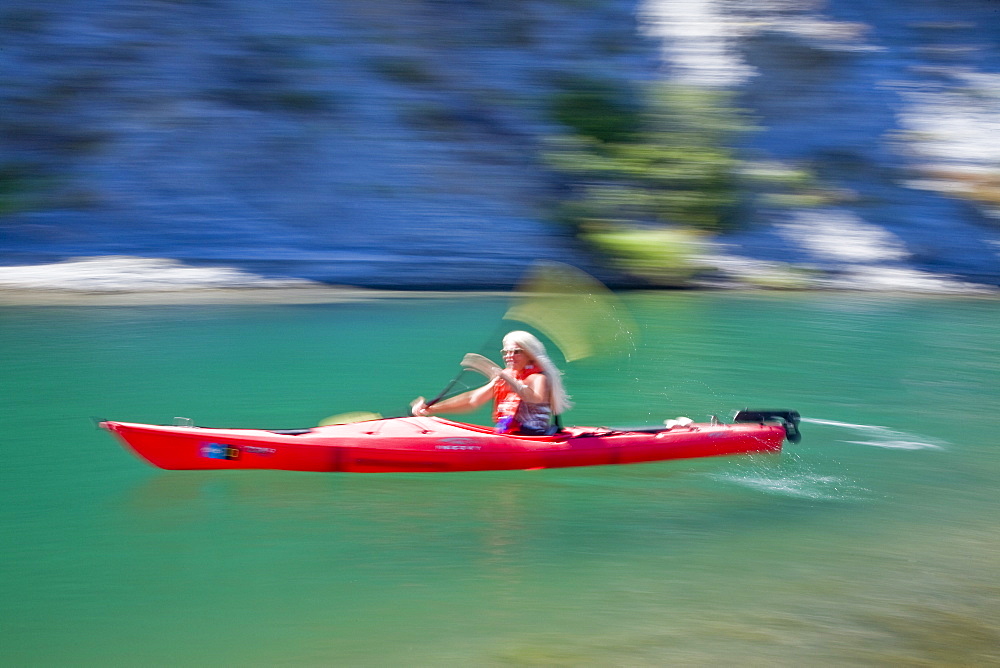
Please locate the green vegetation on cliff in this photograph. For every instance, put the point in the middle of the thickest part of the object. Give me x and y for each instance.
(647, 182)
(646, 179)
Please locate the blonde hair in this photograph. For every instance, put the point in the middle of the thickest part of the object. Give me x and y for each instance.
(558, 398)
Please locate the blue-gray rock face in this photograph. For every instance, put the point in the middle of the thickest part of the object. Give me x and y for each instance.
(897, 107)
(395, 144)
(382, 144)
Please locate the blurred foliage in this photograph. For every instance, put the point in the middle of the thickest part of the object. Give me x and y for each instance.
(21, 188)
(596, 110)
(669, 163)
(403, 70)
(664, 256)
(634, 172)
(644, 182)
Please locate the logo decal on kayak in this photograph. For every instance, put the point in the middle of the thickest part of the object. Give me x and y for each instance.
(458, 444)
(233, 452)
(220, 451)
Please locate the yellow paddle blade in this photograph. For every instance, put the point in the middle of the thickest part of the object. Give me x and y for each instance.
(348, 418)
(575, 310)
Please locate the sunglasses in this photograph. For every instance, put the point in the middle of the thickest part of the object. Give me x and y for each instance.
(512, 351)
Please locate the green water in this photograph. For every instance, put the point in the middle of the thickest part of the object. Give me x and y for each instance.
(872, 542)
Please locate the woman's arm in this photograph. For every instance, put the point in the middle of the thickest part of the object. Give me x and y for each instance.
(461, 403)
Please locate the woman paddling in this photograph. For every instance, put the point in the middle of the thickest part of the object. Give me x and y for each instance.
(526, 393)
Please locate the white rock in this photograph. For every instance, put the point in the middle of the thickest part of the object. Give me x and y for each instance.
(124, 273)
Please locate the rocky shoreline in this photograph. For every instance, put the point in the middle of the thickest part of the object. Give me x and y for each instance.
(131, 281)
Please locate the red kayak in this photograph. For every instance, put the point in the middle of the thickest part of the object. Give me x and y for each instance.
(432, 444)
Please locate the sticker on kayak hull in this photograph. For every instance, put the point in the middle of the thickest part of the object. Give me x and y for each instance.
(458, 444)
(220, 451)
(233, 452)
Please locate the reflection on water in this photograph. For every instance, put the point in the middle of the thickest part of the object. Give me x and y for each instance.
(832, 553)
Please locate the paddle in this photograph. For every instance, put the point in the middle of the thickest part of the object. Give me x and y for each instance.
(348, 418)
(480, 364)
(573, 309)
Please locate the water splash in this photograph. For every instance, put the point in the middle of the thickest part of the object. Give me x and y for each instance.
(802, 485)
(790, 476)
(884, 437)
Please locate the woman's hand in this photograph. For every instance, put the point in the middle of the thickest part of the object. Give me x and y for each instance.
(533, 390)
(418, 407)
(522, 389)
(506, 376)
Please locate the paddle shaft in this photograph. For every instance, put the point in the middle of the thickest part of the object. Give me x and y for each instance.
(497, 331)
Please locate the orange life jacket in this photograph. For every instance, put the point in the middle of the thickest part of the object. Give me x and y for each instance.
(506, 403)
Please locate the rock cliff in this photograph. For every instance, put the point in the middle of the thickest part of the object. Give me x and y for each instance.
(895, 110)
(396, 144)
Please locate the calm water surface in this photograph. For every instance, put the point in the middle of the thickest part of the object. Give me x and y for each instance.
(874, 541)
